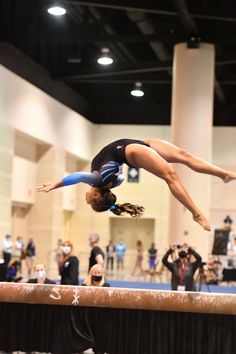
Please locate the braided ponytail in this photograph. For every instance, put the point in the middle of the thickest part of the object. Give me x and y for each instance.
(134, 210)
(107, 201)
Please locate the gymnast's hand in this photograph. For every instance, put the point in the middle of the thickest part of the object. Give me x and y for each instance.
(46, 187)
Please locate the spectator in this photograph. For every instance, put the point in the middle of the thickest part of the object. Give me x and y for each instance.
(13, 271)
(59, 252)
(96, 255)
(228, 221)
(40, 275)
(3, 270)
(19, 251)
(69, 266)
(7, 249)
(182, 268)
(110, 250)
(120, 253)
(139, 258)
(30, 253)
(96, 277)
(152, 253)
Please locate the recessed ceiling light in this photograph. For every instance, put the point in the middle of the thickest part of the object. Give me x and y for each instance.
(57, 11)
(137, 90)
(105, 58)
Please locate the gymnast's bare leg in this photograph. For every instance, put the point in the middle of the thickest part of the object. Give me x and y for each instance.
(148, 158)
(173, 154)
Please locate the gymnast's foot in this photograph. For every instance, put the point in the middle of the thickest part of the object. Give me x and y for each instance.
(229, 176)
(201, 220)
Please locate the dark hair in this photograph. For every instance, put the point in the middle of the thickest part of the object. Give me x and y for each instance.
(107, 201)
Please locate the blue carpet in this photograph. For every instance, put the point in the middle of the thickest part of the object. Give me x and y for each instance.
(161, 286)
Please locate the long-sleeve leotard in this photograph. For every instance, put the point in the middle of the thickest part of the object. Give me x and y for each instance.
(106, 167)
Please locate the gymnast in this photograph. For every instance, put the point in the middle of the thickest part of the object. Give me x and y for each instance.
(155, 156)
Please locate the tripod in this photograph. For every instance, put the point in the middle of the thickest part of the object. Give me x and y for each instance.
(201, 279)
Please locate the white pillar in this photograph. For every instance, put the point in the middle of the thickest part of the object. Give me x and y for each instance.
(191, 129)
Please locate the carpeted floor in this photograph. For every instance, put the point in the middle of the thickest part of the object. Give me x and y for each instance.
(230, 289)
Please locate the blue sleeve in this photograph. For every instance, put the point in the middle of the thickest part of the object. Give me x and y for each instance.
(120, 179)
(92, 179)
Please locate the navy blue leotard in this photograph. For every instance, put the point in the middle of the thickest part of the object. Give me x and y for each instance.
(106, 167)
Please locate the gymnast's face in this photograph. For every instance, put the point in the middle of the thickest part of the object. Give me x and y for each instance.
(93, 195)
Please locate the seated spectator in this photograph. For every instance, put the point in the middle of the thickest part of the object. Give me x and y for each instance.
(40, 275)
(13, 269)
(69, 266)
(96, 277)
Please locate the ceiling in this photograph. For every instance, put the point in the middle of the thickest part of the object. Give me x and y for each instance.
(141, 37)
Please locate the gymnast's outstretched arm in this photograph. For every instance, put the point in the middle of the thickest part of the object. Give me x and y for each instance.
(90, 178)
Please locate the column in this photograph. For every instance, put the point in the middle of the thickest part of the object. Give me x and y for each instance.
(191, 129)
(46, 216)
(6, 160)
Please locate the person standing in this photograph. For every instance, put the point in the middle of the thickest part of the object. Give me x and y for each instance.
(97, 255)
(58, 252)
(182, 268)
(152, 253)
(19, 251)
(69, 266)
(30, 252)
(7, 249)
(120, 254)
(139, 258)
(110, 250)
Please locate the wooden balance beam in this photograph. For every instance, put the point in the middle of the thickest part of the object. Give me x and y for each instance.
(82, 296)
(70, 319)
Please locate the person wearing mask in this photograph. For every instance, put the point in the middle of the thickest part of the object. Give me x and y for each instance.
(58, 252)
(13, 271)
(120, 254)
(40, 275)
(30, 252)
(19, 251)
(152, 253)
(69, 266)
(182, 268)
(96, 277)
(7, 249)
(110, 250)
(139, 258)
(96, 255)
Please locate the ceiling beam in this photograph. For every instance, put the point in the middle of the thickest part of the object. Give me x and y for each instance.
(115, 73)
(98, 37)
(140, 70)
(129, 81)
(145, 9)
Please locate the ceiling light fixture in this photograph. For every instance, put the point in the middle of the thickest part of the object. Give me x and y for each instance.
(56, 11)
(105, 58)
(137, 90)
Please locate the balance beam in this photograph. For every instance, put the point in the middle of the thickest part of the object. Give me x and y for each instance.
(120, 298)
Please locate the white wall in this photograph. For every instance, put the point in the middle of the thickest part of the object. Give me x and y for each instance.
(33, 112)
(24, 180)
(41, 118)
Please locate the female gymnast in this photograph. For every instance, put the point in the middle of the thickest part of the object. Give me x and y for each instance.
(155, 156)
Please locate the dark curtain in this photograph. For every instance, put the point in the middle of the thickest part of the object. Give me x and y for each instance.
(67, 329)
(152, 332)
(44, 328)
